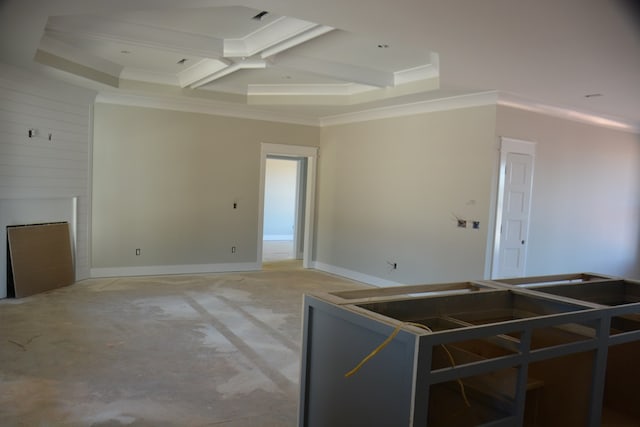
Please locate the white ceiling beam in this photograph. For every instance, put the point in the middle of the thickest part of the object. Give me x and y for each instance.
(273, 33)
(422, 72)
(314, 32)
(201, 70)
(101, 28)
(240, 65)
(337, 70)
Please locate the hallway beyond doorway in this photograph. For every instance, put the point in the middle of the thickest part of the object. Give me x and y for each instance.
(277, 250)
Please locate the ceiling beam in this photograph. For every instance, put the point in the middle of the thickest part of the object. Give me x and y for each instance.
(202, 69)
(428, 71)
(244, 64)
(310, 34)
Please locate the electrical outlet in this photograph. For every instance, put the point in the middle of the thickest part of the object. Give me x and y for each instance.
(462, 223)
(138, 252)
(233, 249)
(476, 225)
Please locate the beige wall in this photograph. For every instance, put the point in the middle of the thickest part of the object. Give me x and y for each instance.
(165, 182)
(388, 191)
(585, 212)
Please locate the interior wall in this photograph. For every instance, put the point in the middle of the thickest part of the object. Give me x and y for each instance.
(38, 174)
(280, 199)
(585, 213)
(390, 190)
(166, 182)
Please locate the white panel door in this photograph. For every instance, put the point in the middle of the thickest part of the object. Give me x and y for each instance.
(513, 214)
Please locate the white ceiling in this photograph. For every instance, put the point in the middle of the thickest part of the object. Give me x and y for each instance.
(539, 53)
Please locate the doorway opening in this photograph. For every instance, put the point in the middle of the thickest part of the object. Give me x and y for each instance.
(304, 158)
(284, 202)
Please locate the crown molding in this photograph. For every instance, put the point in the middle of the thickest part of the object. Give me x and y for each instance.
(200, 106)
(513, 101)
(429, 106)
(443, 104)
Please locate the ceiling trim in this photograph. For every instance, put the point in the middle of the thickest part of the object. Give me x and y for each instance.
(201, 69)
(243, 64)
(295, 40)
(513, 101)
(204, 107)
(429, 106)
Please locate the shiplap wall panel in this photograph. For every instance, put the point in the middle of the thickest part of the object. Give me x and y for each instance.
(39, 168)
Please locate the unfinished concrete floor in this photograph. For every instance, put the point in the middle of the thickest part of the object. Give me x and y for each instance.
(201, 350)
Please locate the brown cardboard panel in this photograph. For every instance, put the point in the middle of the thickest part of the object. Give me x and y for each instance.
(41, 257)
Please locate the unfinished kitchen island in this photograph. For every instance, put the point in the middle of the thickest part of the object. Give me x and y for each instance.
(540, 351)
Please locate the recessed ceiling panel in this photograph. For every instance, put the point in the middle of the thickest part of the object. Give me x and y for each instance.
(344, 47)
(131, 56)
(221, 22)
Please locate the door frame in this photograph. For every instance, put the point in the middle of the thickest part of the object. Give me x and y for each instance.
(301, 189)
(509, 146)
(293, 151)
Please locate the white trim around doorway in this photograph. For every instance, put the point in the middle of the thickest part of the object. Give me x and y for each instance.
(294, 151)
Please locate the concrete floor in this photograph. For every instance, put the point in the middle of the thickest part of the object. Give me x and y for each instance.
(201, 350)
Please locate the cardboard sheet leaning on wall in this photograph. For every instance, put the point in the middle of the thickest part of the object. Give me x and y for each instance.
(40, 258)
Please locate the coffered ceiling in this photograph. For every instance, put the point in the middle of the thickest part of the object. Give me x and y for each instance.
(310, 60)
(231, 49)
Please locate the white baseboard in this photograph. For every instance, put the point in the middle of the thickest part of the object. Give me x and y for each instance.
(354, 275)
(160, 270)
(277, 237)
